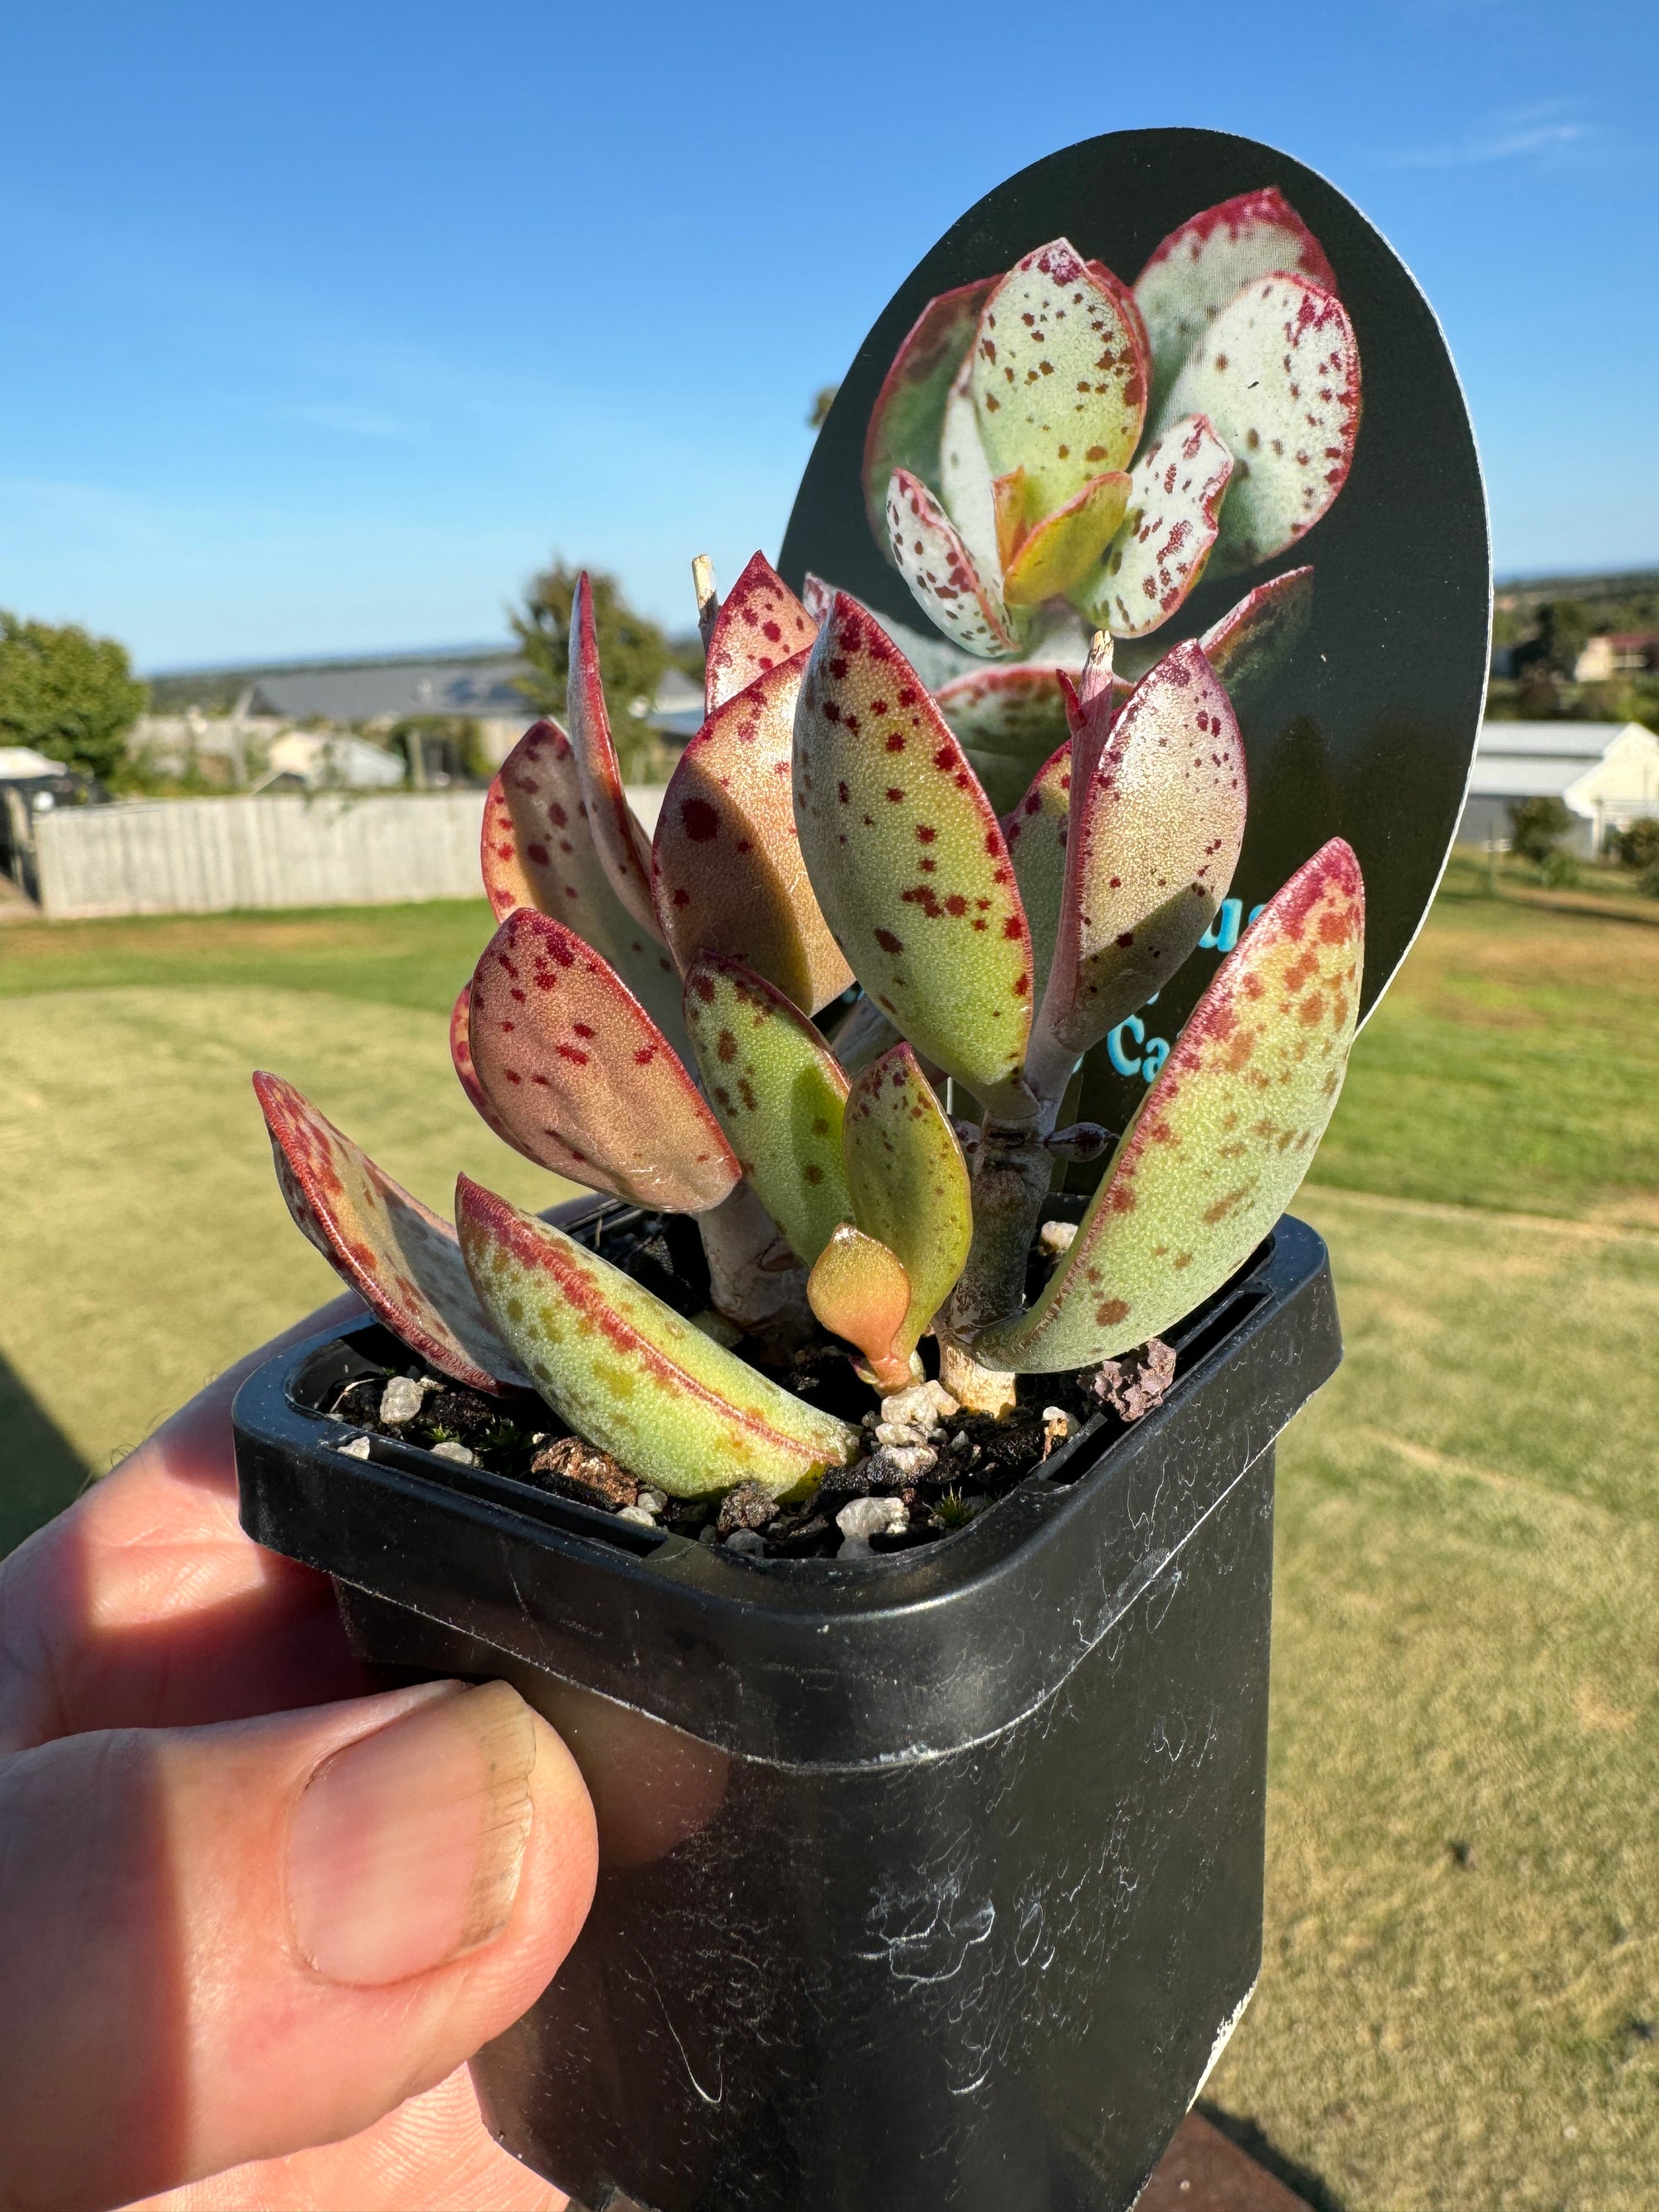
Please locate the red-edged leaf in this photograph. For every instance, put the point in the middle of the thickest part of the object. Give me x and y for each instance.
(1207, 262)
(1160, 553)
(461, 1053)
(908, 418)
(1056, 553)
(400, 1257)
(629, 1374)
(761, 624)
(780, 1095)
(966, 489)
(1130, 308)
(1037, 830)
(1157, 820)
(621, 844)
(1008, 720)
(727, 870)
(934, 562)
(909, 860)
(817, 598)
(1252, 639)
(537, 850)
(1056, 376)
(1222, 1138)
(582, 1077)
(1277, 375)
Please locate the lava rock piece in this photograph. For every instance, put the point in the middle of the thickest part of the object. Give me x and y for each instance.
(1131, 1386)
(571, 1468)
(748, 1506)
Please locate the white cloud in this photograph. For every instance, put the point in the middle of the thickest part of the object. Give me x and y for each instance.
(1519, 135)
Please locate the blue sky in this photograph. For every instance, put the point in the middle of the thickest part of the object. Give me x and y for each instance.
(321, 326)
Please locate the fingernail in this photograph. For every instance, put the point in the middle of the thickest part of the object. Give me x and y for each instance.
(406, 1848)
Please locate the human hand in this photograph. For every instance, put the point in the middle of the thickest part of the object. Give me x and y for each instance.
(253, 1921)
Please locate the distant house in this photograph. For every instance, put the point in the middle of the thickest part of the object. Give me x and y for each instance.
(1632, 653)
(1605, 773)
(389, 691)
(327, 760)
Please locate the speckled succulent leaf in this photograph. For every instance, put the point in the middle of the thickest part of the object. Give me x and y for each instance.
(1008, 515)
(910, 1182)
(1252, 639)
(1136, 321)
(537, 850)
(1157, 820)
(780, 1095)
(1058, 552)
(1174, 512)
(761, 624)
(461, 1053)
(945, 581)
(906, 422)
(859, 1291)
(1222, 1138)
(726, 866)
(817, 597)
(1036, 830)
(1277, 375)
(966, 488)
(582, 1077)
(1007, 720)
(623, 846)
(909, 860)
(398, 1255)
(1056, 376)
(629, 1374)
(1209, 261)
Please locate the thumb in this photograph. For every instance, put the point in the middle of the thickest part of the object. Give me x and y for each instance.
(222, 1944)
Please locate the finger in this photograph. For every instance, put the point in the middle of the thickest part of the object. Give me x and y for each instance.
(433, 2150)
(145, 1606)
(228, 1944)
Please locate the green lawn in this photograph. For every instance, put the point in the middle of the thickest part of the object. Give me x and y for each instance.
(1462, 1945)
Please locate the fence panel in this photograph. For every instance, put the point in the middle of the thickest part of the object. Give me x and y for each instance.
(208, 856)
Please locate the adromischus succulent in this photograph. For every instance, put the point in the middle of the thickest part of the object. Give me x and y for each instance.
(1053, 436)
(644, 1022)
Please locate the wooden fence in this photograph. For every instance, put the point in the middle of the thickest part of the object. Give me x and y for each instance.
(209, 855)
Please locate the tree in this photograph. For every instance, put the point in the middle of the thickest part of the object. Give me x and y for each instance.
(1537, 827)
(1564, 628)
(69, 695)
(634, 655)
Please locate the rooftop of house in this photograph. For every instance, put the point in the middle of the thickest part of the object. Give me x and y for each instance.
(1579, 741)
(395, 690)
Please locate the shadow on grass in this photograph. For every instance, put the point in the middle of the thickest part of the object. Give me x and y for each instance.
(1250, 2139)
(40, 1470)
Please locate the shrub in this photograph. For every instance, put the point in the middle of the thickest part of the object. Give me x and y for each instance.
(1537, 827)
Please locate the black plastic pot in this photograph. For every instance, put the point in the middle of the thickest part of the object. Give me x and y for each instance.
(933, 1879)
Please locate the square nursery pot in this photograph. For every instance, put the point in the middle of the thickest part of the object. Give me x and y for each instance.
(929, 1879)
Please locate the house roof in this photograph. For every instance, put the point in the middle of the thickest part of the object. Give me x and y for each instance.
(1579, 741)
(391, 690)
(1509, 775)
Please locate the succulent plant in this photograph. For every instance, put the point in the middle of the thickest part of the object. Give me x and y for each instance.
(1053, 438)
(661, 1021)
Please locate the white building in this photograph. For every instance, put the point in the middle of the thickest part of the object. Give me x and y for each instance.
(1605, 773)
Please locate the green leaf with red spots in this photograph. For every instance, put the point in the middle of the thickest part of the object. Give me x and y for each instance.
(761, 624)
(398, 1255)
(537, 850)
(859, 1291)
(1037, 832)
(629, 1374)
(1205, 264)
(906, 422)
(581, 1078)
(966, 489)
(1221, 1140)
(1252, 640)
(909, 1183)
(621, 845)
(726, 866)
(946, 581)
(1174, 514)
(908, 862)
(1008, 720)
(1277, 375)
(1157, 820)
(1056, 553)
(780, 1095)
(1057, 378)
